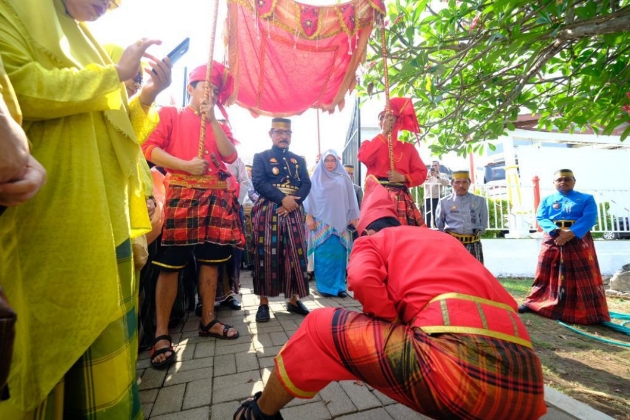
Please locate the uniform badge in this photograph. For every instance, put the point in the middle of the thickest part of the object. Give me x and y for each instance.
(453, 208)
(556, 206)
(293, 161)
(275, 170)
(273, 160)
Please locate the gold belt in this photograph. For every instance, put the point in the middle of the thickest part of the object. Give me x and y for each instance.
(385, 182)
(564, 223)
(465, 239)
(204, 182)
(286, 189)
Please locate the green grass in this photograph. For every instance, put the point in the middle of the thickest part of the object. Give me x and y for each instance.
(518, 288)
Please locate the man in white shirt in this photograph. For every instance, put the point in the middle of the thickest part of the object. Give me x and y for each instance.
(434, 188)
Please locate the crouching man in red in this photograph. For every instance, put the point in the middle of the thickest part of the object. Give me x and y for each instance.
(438, 332)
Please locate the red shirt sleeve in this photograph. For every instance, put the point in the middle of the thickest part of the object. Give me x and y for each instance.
(371, 149)
(160, 136)
(228, 133)
(417, 169)
(367, 275)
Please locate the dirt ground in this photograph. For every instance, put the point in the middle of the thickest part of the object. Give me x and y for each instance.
(591, 371)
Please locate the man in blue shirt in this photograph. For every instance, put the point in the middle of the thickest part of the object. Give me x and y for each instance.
(568, 284)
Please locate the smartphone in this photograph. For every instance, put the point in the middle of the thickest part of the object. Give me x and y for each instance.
(177, 52)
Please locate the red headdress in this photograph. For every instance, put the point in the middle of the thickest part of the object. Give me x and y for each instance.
(376, 204)
(221, 78)
(404, 110)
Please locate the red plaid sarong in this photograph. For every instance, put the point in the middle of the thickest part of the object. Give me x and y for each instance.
(568, 284)
(408, 213)
(194, 216)
(443, 375)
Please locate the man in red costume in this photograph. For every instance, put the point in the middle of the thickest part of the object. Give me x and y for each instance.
(409, 170)
(201, 213)
(438, 332)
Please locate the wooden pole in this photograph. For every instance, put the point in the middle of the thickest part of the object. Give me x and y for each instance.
(390, 144)
(207, 87)
(319, 143)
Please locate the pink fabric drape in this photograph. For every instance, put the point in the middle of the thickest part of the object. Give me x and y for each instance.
(287, 57)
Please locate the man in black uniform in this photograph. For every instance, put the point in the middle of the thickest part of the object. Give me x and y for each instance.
(281, 179)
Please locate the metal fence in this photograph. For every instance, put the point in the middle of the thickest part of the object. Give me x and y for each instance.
(515, 205)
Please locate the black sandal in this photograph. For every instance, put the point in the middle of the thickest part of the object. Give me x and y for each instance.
(204, 331)
(249, 410)
(155, 353)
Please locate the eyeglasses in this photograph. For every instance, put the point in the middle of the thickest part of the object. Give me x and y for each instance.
(564, 179)
(282, 132)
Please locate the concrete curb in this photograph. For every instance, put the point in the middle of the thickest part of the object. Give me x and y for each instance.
(572, 407)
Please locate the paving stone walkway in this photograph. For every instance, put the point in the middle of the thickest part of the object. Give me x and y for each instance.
(211, 377)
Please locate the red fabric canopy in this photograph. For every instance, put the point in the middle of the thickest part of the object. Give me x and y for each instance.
(287, 57)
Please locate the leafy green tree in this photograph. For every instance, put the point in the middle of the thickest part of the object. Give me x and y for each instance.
(473, 66)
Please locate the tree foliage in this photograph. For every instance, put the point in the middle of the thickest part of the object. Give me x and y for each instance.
(473, 66)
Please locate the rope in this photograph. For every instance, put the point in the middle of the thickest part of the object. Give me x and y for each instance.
(390, 145)
(207, 86)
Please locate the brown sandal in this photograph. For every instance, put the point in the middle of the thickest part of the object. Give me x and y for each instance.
(204, 331)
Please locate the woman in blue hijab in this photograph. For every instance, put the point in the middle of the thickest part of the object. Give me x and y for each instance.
(330, 206)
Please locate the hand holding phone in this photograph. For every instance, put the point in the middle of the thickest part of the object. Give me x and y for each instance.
(178, 52)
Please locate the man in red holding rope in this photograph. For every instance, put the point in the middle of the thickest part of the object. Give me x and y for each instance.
(438, 332)
(201, 213)
(408, 171)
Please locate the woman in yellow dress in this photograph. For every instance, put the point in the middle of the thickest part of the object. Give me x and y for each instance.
(70, 275)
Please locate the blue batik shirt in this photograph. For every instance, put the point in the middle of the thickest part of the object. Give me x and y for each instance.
(573, 205)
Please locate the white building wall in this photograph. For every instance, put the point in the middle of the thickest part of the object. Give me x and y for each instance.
(518, 257)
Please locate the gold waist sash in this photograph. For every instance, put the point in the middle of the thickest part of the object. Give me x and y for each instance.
(203, 182)
(465, 239)
(564, 223)
(287, 189)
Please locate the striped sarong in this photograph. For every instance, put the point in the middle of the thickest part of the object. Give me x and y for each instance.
(102, 384)
(408, 213)
(568, 285)
(476, 250)
(279, 257)
(194, 216)
(442, 376)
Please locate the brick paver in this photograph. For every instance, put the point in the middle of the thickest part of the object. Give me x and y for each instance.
(211, 377)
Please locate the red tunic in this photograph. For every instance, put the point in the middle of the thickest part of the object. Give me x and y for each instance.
(175, 133)
(463, 369)
(375, 155)
(198, 209)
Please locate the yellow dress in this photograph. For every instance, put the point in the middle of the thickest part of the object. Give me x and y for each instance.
(64, 277)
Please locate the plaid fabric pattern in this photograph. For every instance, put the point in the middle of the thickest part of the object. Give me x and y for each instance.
(194, 216)
(408, 213)
(568, 284)
(280, 251)
(445, 376)
(476, 250)
(102, 383)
